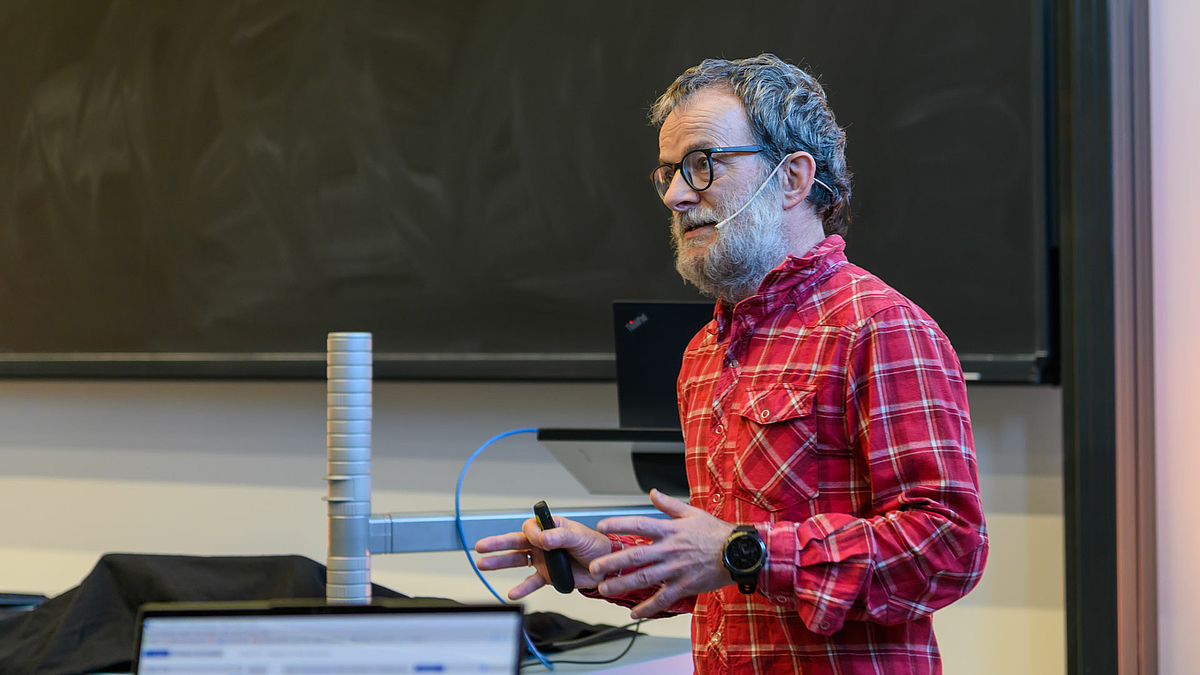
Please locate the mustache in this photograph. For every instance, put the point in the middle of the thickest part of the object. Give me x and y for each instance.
(701, 215)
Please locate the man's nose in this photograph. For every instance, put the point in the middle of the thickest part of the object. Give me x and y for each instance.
(680, 196)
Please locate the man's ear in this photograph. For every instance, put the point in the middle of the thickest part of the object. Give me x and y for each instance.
(798, 171)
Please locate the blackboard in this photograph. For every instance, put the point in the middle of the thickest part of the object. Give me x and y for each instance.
(209, 187)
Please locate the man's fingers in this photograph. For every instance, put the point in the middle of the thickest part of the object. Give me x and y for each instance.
(676, 587)
(650, 527)
(654, 528)
(569, 535)
(634, 556)
(504, 561)
(563, 535)
(532, 583)
(658, 602)
(502, 542)
(669, 505)
(646, 576)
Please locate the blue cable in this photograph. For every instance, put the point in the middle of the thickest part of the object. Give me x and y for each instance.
(462, 539)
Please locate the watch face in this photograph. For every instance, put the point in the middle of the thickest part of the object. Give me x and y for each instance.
(744, 553)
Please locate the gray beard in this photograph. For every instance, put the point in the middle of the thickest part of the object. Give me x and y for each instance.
(740, 254)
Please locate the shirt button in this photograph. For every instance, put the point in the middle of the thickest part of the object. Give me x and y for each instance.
(716, 497)
(824, 625)
(720, 429)
(765, 414)
(781, 599)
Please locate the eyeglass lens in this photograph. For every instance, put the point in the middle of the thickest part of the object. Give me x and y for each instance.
(697, 169)
(697, 172)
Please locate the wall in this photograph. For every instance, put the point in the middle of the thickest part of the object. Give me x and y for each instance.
(1175, 147)
(235, 468)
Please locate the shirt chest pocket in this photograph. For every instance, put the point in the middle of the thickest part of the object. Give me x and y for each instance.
(774, 462)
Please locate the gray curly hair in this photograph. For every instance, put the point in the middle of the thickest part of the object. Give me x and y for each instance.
(788, 112)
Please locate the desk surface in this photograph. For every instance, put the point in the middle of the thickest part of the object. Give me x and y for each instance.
(650, 655)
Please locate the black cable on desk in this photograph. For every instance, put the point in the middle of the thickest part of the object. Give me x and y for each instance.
(636, 632)
(576, 643)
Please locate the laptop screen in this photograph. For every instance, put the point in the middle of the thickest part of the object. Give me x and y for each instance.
(650, 339)
(328, 640)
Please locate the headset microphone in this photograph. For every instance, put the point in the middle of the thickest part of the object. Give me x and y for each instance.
(752, 198)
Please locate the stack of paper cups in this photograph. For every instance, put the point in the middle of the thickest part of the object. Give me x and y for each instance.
(348, 437)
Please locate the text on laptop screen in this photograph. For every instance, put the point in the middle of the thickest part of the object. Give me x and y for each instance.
(330, 644)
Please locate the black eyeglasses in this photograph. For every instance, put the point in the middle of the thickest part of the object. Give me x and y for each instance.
(696, 167)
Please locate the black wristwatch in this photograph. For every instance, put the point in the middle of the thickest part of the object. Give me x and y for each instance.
(744, 556)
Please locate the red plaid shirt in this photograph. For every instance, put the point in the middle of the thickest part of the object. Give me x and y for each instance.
(831, 413)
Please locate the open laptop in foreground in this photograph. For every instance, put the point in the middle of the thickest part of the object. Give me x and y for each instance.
(292, 638)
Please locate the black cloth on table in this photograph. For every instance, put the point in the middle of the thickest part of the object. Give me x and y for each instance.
(90, 628)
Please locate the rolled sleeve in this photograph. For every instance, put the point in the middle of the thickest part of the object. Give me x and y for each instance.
(926, 545)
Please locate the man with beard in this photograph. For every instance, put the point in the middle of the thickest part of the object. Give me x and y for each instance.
(833, 487)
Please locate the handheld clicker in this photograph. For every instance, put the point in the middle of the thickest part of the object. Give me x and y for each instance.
(557, 562)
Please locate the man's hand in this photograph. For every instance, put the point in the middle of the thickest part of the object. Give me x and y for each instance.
(521, 549)
(684, 560)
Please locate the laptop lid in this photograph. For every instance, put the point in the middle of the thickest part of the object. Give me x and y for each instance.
(307, 638)
(650, 338)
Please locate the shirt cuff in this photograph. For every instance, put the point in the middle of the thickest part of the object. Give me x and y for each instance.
(777, 580)
(617, 545)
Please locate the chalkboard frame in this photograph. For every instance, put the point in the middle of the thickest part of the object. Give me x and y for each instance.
(1032, 369)
(1036, 367)
(310, 365)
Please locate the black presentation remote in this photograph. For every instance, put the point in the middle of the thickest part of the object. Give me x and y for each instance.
(557, 562)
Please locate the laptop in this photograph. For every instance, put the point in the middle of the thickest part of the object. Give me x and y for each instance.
(646, 450)
(650, 338)
(311, 638)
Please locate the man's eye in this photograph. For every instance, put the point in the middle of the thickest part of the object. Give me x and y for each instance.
(699, 163)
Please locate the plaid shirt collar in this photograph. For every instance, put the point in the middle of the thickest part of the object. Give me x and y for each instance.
(793, 280)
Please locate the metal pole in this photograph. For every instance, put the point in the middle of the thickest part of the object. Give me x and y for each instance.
(348, 438)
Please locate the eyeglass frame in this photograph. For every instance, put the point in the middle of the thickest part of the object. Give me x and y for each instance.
(677, 167)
